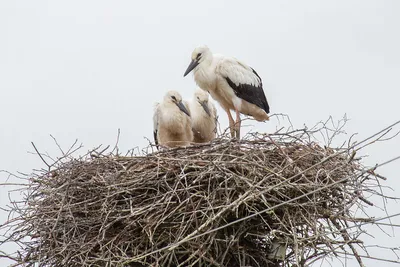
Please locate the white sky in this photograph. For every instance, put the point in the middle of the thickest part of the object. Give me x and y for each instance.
(83, 69)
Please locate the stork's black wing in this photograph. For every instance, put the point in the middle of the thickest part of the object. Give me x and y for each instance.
(155, 138)
(155, 123)
(253, 94)
(244, 81)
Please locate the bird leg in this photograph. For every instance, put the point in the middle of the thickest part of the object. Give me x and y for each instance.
(231, 123)
(237, 124)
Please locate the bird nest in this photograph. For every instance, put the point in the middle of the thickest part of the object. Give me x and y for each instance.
(268, 200)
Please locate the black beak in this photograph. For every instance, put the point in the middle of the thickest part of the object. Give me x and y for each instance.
(191, 66)
(205, 107)
(182, 107)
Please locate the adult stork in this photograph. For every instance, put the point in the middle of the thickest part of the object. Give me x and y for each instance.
(172, 122)
(232, 83)
(204, 117)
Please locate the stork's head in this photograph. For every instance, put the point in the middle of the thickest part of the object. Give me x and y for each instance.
(173, 97)
(200, 54)
(201, 97)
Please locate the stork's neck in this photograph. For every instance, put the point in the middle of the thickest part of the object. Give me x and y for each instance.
(204, 73)
(205, 67)
(198, 110)
(173, 117)
(208, 59)
(205, 77)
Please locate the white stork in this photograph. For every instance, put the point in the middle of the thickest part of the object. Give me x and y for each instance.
(172, 122)
(204, 117)
(232, 83)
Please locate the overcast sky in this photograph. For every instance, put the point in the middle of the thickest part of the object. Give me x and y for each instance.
(84, 69)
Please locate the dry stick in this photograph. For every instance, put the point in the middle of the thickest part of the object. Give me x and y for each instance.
(361, 224)
(290, 178)
(193, 234)
(250, 143)
(347, 238)
(40, 155)
(280, 149)
(372, 258)
(190, 237)
(388, 224)
(187, 239)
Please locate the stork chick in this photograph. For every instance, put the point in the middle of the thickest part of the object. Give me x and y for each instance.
(204, 117)
(232, 83)
(172, 122)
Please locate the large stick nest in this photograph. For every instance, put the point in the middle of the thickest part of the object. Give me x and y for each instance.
(267, 200)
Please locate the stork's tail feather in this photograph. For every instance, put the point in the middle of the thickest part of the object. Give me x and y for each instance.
(261, 117)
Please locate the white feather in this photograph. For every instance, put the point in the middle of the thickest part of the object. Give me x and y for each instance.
(172, 127)
(236, 71)
(216, 74)
(203, 125)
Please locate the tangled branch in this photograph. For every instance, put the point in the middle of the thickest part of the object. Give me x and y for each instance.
(269, 200)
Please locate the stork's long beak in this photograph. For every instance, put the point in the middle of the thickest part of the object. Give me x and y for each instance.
(191, 66)
(182, 107)
(205, 107)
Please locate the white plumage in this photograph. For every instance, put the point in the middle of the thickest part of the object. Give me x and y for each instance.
(204, 117)
(172, 122)
(232, 83)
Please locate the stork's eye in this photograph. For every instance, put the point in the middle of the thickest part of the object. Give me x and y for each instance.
(173, 97)
(198, 56)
